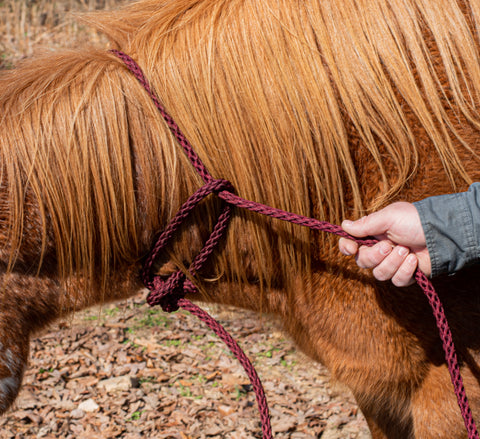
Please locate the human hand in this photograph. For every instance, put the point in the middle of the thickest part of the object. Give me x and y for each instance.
(401, 248)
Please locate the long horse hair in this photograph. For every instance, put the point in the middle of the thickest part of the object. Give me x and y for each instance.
(278, 130)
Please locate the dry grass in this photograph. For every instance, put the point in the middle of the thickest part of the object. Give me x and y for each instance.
(28, 27)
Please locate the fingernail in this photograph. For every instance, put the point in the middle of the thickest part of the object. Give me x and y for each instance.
(411, 259)
(347, 223)
(402, 251)
(346, 247)
(385, 248)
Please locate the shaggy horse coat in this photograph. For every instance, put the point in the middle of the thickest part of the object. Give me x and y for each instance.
(324, 108)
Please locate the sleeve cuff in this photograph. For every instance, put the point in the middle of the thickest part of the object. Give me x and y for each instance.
(452, 229)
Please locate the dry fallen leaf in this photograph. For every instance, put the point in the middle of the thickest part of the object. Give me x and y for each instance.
(103, 380)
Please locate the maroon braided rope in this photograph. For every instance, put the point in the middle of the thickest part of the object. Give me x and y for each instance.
(177, 285)
(449, 350)
(241, 357)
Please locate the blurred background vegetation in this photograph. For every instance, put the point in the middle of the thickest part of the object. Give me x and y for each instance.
(28, 27)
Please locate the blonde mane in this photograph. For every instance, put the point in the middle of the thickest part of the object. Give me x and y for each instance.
(290, 100)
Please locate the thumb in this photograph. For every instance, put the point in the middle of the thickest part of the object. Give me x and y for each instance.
(370, 225)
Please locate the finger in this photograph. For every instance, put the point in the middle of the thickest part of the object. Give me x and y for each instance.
(405, 274)
(424, 262)
(371, 225)
(370, 257)
(391, 264)
(347, 246)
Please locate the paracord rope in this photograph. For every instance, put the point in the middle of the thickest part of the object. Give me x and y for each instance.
(170, 293)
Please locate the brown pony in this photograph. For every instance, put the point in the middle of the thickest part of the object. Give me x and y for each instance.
(324, 108)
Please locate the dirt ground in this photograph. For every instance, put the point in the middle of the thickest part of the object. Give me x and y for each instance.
(130, 371)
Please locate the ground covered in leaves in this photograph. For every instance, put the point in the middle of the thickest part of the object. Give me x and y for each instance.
(128, 371)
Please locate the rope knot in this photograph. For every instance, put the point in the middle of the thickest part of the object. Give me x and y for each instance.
(216, 185)
(167, 292)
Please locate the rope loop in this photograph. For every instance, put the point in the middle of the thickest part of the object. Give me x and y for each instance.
(212, 186)
(168, 292)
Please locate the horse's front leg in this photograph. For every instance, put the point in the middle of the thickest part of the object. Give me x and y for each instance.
(388, 414)
(435, 410)
(27, 304)
(429, 412)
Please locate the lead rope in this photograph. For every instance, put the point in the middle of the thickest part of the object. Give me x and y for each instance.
(170, 293)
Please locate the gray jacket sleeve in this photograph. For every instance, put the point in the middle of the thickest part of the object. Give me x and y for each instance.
(452, 229)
